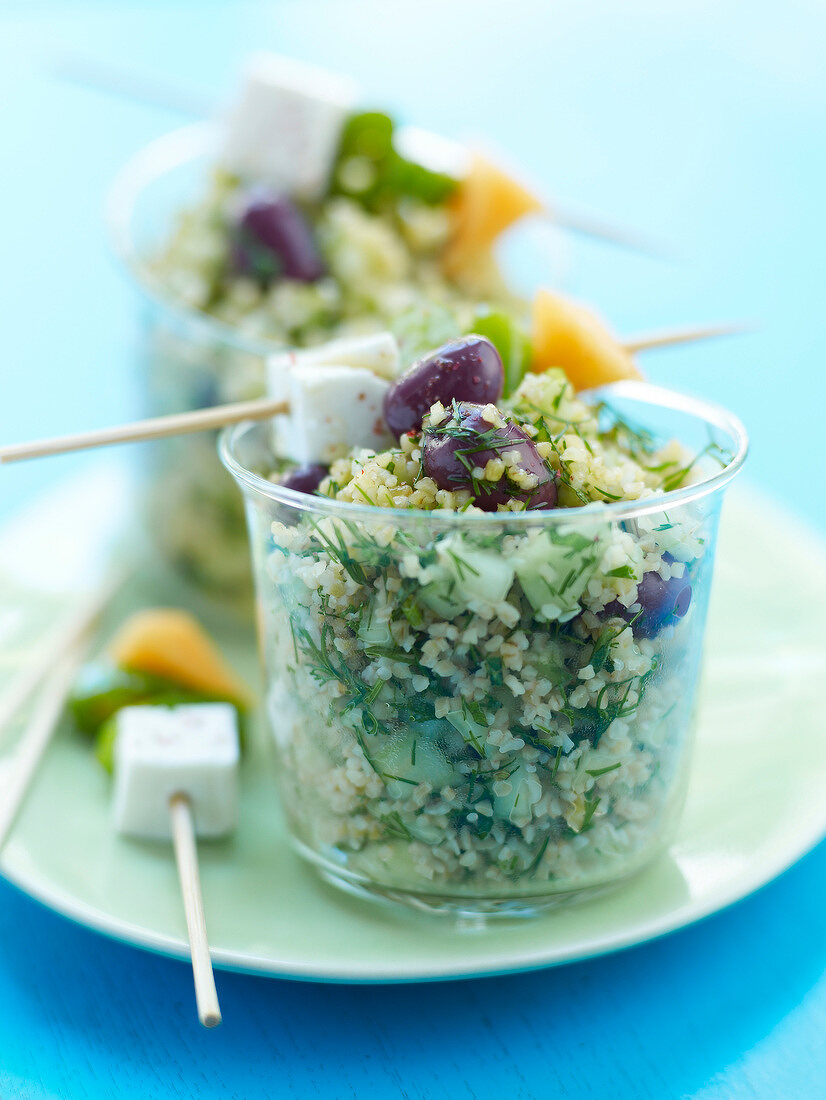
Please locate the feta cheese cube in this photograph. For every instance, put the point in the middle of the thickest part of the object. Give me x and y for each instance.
(377, 352)
(190, 749)
(332, 410)
(285, 126)
(342, 411)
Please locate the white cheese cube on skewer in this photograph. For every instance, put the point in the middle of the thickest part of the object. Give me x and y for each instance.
(332, 410)
(161, 751)
(285, 126)
(336, 394)
(377, 352)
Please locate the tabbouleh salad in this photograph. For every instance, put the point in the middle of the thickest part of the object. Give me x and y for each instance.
(471, 707)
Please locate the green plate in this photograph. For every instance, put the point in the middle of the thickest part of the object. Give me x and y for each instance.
(755, 802)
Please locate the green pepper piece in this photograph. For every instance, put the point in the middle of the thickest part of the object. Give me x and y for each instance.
(364, 158)
(105, 743)
(369, 170)
(510, 340)
(418, 182)
(103, 689)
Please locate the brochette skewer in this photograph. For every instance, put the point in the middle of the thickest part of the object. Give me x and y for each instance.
(49, 675)
(281, 96)
(564, 334)
(176, 778)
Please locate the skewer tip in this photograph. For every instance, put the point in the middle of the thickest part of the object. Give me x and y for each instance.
(598, 229)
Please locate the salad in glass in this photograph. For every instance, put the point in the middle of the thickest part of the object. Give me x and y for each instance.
(483, 640)
(298, 218)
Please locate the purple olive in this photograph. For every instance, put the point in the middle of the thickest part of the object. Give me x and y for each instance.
(272, 238)
(661, 602)
(453, 449)
(305, 479)
(468, 369)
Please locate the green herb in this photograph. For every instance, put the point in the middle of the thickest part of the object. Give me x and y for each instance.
(626, 571)
(324, 667)
(494, 665)
(369, 170)
(714, 450)
(605, 493)
(340, 554)
(396, 827)
(556, 762)
(596, 772)
(637, 440)
(373, 693)
(474, 709)
(392, 653)
(590, 810)
(602, 646)
(412, 611)
(462, 565)
(533, 866)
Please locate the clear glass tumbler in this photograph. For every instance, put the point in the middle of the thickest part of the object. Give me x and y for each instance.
(185, 360)
(188, 359)
(465, 717)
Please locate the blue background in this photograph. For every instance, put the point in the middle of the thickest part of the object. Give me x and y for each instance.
(702, 123)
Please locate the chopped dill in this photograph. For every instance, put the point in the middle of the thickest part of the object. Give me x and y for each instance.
(396, 827)
(625, 571)
(391, 653)
(606, 494)
(557, 759)
(636, 440)
(412, 611)
(494, 666)
(462, 565)
(712, 449)
(533, 866)
(590, 809)
(373, 693)
(597, 772)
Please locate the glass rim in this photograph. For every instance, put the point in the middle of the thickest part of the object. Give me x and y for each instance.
(646, 393)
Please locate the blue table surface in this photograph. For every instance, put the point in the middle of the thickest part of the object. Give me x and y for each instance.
(702, 122)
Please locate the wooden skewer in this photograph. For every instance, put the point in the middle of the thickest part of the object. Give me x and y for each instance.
(67, 632)
(159, 427)
(672, 337)
(264, 408)
(589, 225)
(186, 857)
(136, 87)
(28, 753)
(63, 653)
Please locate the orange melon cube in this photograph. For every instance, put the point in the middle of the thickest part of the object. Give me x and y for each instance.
(486, 203)
(171, 644)
(567, 334)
